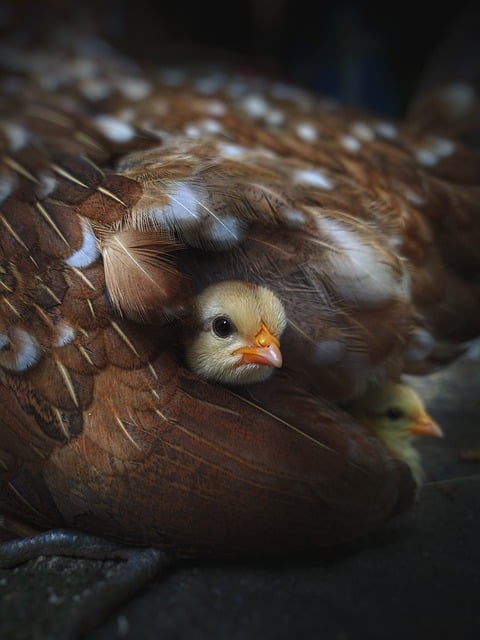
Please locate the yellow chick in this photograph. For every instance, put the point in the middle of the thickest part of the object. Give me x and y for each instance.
(236, 333)
(395, 413)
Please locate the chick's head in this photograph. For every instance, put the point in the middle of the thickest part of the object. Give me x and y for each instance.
(236, 333)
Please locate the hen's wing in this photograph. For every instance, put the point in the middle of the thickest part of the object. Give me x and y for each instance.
(367, 230)
(102, 429)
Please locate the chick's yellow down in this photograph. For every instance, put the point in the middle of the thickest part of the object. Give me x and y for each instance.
(236, 332)
(395, 413)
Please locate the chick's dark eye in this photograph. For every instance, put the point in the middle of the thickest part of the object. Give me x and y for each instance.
(394, 413)
(222, 327)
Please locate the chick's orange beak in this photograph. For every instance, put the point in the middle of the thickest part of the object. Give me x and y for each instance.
(426, 426)
(266, 350)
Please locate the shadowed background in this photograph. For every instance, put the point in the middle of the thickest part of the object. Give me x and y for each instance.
(365, 54)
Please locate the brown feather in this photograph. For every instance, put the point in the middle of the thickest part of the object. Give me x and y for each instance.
(142, 280)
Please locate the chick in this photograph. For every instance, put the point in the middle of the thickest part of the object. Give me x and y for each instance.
(395, 413)
(235, 337)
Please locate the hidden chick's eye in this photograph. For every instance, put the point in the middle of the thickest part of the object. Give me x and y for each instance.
(394, 413)
(222, 327)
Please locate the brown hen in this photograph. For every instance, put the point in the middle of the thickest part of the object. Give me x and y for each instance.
(125, 193)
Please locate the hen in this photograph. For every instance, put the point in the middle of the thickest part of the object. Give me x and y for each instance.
(124, 194)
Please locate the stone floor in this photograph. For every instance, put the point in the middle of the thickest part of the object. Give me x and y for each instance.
(419, 578)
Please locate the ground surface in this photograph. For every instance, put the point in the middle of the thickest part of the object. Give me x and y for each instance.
(420, 578)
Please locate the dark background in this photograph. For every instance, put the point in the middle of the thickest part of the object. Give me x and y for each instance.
(366, 54)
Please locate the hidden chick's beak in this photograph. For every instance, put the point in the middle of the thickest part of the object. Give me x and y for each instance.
(266, 350)
(426, 426)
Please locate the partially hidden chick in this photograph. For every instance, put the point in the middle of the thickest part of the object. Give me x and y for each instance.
(235, 333)
(396, 414)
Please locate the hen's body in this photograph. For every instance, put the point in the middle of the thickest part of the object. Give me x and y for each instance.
(367, 230)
